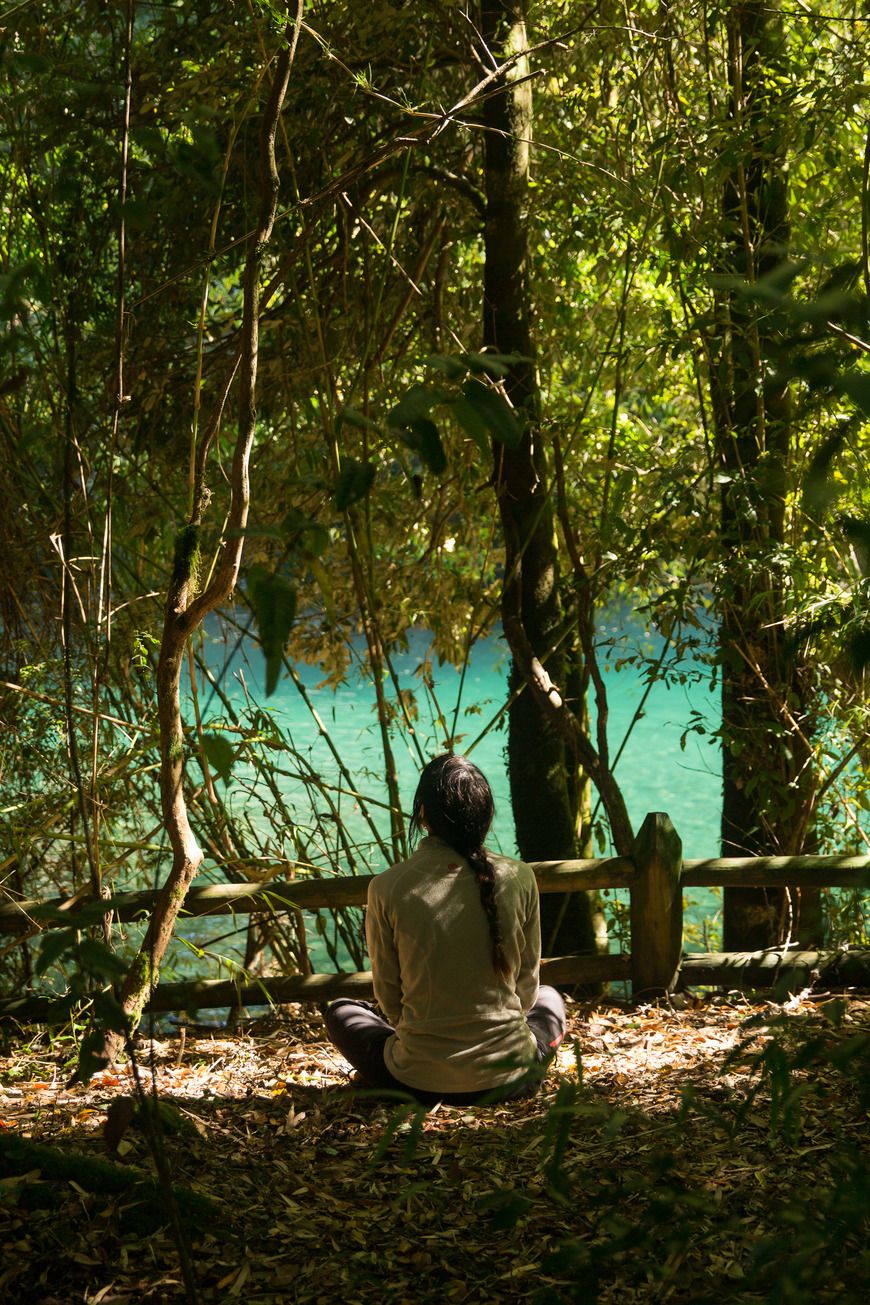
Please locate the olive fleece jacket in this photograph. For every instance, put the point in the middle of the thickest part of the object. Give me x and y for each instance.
(459, 1026)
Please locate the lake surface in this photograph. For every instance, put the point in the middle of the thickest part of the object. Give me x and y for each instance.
(655, 771)
(662, 767)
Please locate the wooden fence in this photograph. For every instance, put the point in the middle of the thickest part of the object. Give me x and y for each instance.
(655, 876)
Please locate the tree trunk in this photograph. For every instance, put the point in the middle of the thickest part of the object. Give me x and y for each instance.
(184, 609)
(543, 794)
(766, 751)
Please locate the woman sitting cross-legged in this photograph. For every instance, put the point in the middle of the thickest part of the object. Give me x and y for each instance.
(454, 937)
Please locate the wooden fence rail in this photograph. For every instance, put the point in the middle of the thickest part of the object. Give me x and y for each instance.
(655, 876)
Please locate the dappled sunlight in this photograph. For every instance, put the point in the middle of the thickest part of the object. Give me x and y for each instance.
(316, 1186)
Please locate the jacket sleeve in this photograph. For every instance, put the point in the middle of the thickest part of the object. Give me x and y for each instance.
(530, 955)
(380, 940)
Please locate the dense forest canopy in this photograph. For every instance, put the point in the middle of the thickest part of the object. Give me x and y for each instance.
(520, 309)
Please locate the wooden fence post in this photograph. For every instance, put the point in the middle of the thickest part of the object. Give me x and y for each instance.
(656, 907)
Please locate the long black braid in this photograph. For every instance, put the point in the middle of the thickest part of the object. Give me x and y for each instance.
(455, 801)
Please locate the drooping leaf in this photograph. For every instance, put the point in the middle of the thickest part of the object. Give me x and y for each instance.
(53, 947)
(422, 436)
(451, 365)
(321, 575)
(415, 404)
(858, 649)
(495, 411)
(857, 387)
(471, 422)
(353, 417)
(495, 365)
(820, 491)
(354, 481)
(302, 532)
(273, 598)
(220, 754)
(97, 959)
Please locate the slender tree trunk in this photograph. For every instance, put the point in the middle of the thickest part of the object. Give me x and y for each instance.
(766, 751)
(185, 608)
(543, 791)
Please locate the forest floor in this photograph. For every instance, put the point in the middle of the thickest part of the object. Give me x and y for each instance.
(707, 1151)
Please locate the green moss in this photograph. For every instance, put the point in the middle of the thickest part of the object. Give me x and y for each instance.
(188, 555)
(143, 975)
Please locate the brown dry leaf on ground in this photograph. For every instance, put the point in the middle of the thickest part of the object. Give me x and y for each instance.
(654, 1163)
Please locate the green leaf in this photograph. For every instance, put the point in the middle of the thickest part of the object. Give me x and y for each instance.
(472, 423)
(53, 947)
(96, 958)
(858, 649)
(353, 417)
(494, 364)
(302, 532)
(857, 387)
(273, 598)
(820, 490)
(354, 481)
(220, 754)
(422, 436)
(321, 575)
(450, 364)
(495, 411)
(416, 403)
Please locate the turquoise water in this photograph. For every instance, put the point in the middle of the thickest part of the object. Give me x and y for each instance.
(662, 767)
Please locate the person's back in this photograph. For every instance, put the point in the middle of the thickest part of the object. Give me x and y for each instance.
(454, 941)
(459, 1024)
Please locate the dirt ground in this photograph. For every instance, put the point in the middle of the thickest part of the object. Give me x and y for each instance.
(668, 1156)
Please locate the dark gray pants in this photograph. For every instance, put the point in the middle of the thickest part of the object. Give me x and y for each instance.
(359, 1033)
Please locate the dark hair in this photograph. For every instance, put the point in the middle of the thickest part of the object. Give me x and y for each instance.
(454, 799)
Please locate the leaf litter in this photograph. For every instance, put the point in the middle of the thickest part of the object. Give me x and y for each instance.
(651, 1166)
